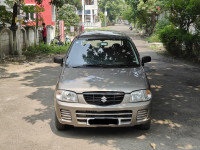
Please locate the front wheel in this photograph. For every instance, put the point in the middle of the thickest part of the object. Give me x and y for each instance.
(145, 126)
(58, 125)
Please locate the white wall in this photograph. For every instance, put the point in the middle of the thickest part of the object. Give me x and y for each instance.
(50, 33)
(5, 43)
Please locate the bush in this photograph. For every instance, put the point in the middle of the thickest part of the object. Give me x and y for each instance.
(172, 40)
(179, 43)
(33, 51)
(161, 24)
(154, 38)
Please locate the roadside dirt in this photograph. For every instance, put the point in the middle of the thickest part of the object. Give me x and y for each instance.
(26, 65)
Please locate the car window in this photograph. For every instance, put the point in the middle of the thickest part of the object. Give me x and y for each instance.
(106, 53)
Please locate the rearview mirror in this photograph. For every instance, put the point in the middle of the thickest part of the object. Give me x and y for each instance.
(146, 59)
(58, 60)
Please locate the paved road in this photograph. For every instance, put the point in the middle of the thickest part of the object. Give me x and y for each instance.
(26, 110)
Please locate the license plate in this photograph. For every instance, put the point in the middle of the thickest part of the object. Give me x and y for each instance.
(103, 122)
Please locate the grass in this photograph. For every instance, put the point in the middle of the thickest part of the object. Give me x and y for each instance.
(40, 49)
(153, 38)
(100, 29)
(160, 50)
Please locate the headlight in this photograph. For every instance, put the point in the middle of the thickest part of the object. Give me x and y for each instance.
(139, 96)
(66, 96)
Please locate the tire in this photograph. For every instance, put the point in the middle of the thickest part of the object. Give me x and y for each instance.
(59, 126)
(145, 126)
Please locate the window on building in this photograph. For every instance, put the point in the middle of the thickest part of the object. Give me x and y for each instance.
(30, 16)
(87, 18)
(89, 2)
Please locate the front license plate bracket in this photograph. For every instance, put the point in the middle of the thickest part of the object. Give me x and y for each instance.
(105, 121)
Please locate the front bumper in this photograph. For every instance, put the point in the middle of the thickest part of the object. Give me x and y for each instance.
(79, 114)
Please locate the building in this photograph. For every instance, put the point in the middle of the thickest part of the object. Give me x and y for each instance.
(48, 16)
(89, 14)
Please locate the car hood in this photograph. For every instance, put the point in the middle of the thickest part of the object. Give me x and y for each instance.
(82, 80)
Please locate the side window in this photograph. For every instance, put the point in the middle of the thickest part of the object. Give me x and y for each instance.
(129, 45)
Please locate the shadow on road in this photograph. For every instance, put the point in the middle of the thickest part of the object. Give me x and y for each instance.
(175, 112)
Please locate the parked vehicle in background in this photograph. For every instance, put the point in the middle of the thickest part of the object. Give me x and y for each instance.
(57, 41)
(102, 83)
(126, 22)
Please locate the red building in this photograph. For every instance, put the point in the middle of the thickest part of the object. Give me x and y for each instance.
(48, 15)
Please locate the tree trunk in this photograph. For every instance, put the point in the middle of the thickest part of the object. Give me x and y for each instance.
(14, 15)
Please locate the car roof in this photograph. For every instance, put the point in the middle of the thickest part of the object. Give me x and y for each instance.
(111, 35)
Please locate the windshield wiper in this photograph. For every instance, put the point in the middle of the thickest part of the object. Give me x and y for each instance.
(90, 65)
(126, 65)
(107, 66)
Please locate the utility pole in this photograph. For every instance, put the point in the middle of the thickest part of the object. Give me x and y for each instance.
(83, 12)
(105, 13)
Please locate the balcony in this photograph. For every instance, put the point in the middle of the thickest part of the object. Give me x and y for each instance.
(91, 7)
(89, 25)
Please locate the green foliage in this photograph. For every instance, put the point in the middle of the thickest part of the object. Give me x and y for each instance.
(68, 15)
(76, 3)
(113, 7)
(197, 25)
(102, 17)
(180, 43)
(177, 39)
(144, 12)
(154, 38)
(100, 29)
(60, 3)
(5, 16)
(171, 38)
(10, 3)
(161, 24)
(183, 13)
(128, 14)
(33, 51)
(33, 9)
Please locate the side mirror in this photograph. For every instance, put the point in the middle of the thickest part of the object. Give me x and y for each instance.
(146, 59)
(58, 60)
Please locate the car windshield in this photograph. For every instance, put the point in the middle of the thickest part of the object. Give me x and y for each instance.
(102, 53)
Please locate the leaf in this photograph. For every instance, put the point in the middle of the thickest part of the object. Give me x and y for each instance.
(153, 145)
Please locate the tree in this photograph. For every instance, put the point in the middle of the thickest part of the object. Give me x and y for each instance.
(68, 15)
(113, 7)
(145, 12)
(5, 16)
(34, 9)
(60, 3)
(183, 13)
(128, 14)
(102, 17)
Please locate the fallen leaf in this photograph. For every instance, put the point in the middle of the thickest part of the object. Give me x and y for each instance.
(153, 145)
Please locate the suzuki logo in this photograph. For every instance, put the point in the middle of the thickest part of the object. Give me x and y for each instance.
(104, 99)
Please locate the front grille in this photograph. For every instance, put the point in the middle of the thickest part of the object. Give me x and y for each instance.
(142, 115)
(104, 98)
(124, 116)
(66, 115)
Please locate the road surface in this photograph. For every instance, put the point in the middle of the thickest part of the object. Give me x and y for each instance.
(27, 111)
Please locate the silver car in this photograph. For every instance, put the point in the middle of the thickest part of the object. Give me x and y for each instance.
(102, 83)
